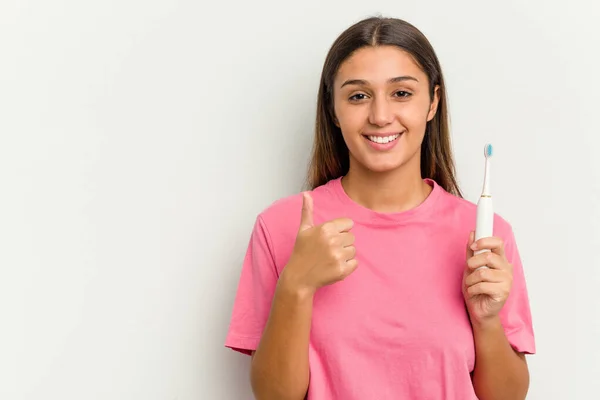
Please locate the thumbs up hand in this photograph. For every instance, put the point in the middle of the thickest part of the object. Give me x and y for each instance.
(323, 254)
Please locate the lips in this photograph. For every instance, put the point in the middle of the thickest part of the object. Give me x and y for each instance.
(383, 141)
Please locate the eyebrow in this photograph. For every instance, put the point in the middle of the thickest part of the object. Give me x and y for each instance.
(392, 80)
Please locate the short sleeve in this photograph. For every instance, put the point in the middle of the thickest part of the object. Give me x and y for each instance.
(516, 313)
(255, 291)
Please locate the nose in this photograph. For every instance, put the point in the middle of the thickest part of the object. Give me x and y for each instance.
(381, 112)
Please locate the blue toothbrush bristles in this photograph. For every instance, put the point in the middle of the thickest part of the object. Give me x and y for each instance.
(488, 150)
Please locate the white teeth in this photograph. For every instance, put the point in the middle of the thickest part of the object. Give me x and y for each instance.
(384, 139)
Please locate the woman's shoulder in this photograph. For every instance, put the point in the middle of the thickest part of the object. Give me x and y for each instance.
(466, 210)
(281, 209)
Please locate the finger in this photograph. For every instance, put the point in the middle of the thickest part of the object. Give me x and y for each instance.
(306, 219)
(351, 265)
(494, 244)
(349, 253)
(346, 239)
(484, 275)
(342, 224)
(487, 259)
(483, 288)
(469, 243)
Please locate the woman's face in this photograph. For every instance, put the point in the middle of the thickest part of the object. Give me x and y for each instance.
(382, 105)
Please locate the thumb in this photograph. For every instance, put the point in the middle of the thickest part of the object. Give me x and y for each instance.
(306, 220)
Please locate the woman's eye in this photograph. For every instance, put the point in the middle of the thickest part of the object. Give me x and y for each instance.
(402, 93)
(358, 96)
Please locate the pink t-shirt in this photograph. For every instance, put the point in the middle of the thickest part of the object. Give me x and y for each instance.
(397, 327)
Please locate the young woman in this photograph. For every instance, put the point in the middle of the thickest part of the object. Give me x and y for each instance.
(366, 286)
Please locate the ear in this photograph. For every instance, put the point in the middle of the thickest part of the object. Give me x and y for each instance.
(434, 103)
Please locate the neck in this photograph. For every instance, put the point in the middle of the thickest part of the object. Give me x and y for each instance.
(387, 192)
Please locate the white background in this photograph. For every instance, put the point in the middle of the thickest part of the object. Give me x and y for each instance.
(139, 139)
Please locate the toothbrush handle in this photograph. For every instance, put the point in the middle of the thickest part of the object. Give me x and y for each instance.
(485, 220)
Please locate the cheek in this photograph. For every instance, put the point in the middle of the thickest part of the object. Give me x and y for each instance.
(352, 121)
(413, 116)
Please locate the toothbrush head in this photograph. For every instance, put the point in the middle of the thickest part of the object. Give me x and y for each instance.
(487, 151)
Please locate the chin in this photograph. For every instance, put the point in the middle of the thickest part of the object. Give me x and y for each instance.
(381, 167)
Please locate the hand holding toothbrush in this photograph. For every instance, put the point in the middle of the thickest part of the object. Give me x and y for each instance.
(486, 289)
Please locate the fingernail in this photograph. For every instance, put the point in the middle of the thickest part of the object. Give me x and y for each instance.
(474, 246)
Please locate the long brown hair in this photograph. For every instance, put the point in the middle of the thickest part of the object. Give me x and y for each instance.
(330, 157)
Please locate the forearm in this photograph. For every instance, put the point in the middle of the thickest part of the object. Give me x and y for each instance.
(500, 373)
(280, 364)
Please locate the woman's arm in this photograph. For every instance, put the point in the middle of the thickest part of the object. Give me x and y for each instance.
(322, 255)
(280, 364)
(500, 372)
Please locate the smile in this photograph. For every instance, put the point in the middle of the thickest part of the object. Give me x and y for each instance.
(383, 139)
(383, 142)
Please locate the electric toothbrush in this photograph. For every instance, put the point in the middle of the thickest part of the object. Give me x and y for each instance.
(485, 211)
